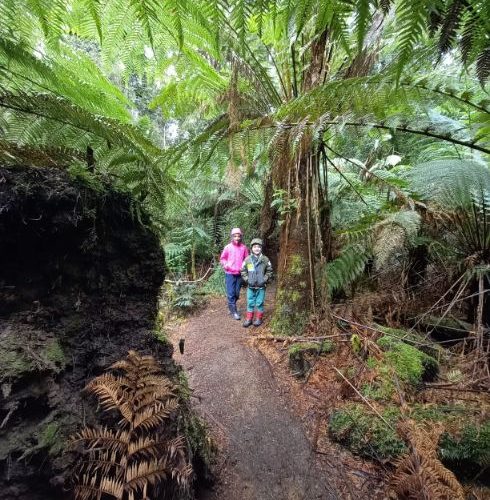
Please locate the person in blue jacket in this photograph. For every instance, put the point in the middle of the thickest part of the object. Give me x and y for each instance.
(256, 272)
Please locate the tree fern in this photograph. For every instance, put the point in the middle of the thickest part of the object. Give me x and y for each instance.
(459, 190)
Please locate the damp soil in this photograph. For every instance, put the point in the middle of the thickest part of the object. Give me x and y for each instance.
(270, 429)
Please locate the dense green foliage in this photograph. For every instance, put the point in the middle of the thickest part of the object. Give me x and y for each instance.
(197, 107)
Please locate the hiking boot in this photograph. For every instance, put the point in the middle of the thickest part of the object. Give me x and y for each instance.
(236, 315)
(248, 321)
(258, 319)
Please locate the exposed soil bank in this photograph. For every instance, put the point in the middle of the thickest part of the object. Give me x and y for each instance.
(79, 282)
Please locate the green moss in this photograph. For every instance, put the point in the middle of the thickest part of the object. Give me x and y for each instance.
(414, 339)
(311, 347)
(161, 336)
(184, 389)
(296, 265)
(366, 434)
(49, 437)
(401, 362)
(409, 363)
(469, 449)
(54, 355)
(13, 363)
(383, 388)
(288, 319)
(203, 450)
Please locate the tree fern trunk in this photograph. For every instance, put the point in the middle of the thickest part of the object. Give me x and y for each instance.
(295, 286)
(300, 242)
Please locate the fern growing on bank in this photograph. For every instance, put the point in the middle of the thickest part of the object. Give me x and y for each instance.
(136, 457)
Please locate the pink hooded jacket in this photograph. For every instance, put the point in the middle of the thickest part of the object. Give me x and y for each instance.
(232, 257)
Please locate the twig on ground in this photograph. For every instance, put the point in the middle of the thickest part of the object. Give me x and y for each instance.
(277, 338)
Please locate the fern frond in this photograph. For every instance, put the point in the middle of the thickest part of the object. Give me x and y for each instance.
(483, 65)
(143, 473)
(141, 452)
(93, 438)
(152, 416)
(346, 268)
(363, 17)
(411, 18)
(90, 487)
(451, 24)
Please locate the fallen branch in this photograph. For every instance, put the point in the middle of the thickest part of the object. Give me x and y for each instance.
(277, 338)
(445, 387)
(186, 281)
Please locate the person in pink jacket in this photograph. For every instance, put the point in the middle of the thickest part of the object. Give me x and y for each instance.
(231, 260)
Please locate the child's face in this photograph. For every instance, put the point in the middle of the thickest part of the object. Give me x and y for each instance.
(256, 249)
(236, 238)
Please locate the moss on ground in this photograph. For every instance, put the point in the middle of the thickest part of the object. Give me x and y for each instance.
(13, 363)
(401, 363)
(411, 365)
(469, 449)
(465, 447)
(54, 355)
(416, 340)
(366, 434)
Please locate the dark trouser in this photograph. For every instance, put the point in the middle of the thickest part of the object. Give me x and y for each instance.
(233, 284)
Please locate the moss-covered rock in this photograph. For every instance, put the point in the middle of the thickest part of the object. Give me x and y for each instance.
(401, 364)
(421, 342)
(464, 447)
(323, 347)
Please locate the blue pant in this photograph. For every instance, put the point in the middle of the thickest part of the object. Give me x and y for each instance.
(233, 284)
(255, 299)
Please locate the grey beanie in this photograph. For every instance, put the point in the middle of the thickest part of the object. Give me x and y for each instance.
(256, 241)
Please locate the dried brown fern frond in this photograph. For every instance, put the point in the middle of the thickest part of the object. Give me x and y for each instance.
(133, 459)
(420, 474)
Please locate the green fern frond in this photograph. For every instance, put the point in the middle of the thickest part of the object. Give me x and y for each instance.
(411, 18)
(363, 17)
(347, 267)
(451, 25)
(450, 181)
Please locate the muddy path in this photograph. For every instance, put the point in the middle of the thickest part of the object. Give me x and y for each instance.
(264, 451)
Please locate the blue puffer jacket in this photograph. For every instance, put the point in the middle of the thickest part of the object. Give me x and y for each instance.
(256, 271)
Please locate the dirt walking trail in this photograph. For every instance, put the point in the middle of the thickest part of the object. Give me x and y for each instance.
(264, 452)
